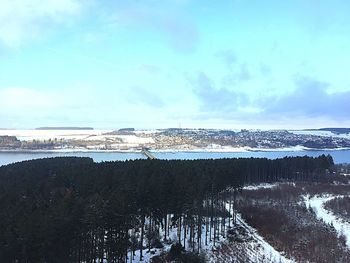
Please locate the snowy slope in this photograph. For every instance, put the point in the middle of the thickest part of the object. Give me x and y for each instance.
(263, 250)
(320, 133)
(317, 205)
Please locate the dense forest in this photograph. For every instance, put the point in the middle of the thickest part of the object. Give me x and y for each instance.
(74, 210)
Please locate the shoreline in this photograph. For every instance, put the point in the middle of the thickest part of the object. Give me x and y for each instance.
(204, 150)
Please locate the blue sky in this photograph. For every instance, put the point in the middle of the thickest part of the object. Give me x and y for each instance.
(154, 64)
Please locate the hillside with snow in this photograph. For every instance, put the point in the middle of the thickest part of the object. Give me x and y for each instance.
(171, 140)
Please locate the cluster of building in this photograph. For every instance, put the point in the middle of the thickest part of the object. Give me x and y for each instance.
(246, 138)
(180, 139)
(10, 142)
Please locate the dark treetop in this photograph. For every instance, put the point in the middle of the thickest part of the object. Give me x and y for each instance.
(74, 210)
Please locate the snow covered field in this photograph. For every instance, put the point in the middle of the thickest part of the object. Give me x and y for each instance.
(30, 135)
(89, 136)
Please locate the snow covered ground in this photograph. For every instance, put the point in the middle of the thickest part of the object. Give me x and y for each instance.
(95, 140)
(173, 239)
(253, 249)
(260, 186)
(127, 139)
(262, 249)
(88, 135)
(320, 133)
(29, 135)
(317, 205)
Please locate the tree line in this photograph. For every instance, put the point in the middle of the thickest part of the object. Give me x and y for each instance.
(71, 209)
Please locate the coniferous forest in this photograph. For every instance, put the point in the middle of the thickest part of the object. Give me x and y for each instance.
(74, 210)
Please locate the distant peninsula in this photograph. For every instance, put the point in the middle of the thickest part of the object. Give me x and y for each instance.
(336, 130)
(64, 128)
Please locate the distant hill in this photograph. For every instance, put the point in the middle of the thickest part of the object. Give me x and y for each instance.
(64, 128)
(122, 131)
(334, 130)
(127, 130)
(337, 130)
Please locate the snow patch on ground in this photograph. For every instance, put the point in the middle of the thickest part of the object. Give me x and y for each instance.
(256, 249)
(321, 133)
(173, 238)
(264, 249)
(297, 148)
(317, 205)
(260, 186)
(220, 148)
(128, 139)
(133, 139)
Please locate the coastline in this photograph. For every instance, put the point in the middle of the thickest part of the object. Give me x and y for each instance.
(199, 150)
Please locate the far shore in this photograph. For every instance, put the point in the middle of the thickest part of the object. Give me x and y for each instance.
(204, 150)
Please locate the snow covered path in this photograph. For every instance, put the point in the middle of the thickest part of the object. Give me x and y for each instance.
(263, 250)
(317, 205)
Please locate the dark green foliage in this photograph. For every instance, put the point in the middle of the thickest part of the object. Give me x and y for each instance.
(75, 210)
(176, 251)
(178, 254)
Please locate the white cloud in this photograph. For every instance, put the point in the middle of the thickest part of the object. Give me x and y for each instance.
(21, 20)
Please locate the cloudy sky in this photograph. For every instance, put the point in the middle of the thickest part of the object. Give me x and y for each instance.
(162, 63)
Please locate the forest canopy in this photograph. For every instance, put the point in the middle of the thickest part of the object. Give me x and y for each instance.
(71, 209)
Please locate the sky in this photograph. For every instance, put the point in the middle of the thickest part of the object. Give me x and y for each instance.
(169, 63)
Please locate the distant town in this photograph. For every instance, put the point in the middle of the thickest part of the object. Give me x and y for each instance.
(172, 139)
